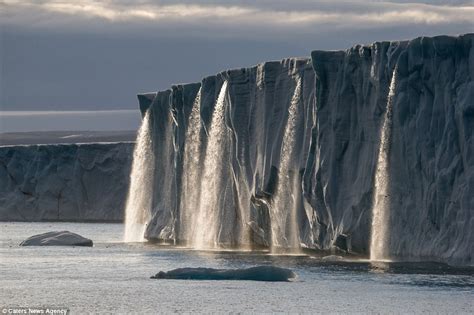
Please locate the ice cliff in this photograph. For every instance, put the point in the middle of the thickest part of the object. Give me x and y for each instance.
(290, 154)
(69, 182)
(430, 166)
(217, 159)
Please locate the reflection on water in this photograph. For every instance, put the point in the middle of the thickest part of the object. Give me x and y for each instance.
(114, 276)
(379, 266)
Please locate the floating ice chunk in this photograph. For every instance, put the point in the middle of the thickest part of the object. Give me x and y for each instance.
(57, 238)
(260, 273)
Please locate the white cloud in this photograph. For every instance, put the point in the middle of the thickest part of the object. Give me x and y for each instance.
(289, 14)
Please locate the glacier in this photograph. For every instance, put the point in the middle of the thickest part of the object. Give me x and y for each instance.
(64, 182)
(366, 150)
(305, 153)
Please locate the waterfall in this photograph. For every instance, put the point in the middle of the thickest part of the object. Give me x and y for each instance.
(284, 205)
(381, 207)
(191, 184)
(207, 218)
(139, 199)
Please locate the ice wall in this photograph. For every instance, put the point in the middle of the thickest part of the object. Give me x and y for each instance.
(430, 169)
(337, 124)
(244, 153)
(70, 182)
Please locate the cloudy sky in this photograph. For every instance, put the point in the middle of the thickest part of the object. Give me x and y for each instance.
(88, 55)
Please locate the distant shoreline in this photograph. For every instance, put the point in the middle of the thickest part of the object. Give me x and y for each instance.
(65, 137)
(29, 113)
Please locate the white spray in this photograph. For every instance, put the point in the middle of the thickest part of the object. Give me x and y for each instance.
(139, 199)
(381, 207)
(207, 221)
(283, 212)
(191, 185)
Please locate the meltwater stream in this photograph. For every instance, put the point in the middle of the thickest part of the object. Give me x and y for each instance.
(202, 221)
(381, 210)
(283, 214)
(206, 225)
(139, 199)
(191, 172)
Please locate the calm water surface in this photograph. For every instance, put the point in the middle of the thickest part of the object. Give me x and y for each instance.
(113, 277)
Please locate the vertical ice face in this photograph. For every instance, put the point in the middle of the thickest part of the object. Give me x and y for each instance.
(381, 207)
(268, 177)
(284, 205)
(206, 224)
(139, 200)
(191, 173)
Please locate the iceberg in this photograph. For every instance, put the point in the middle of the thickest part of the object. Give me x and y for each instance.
(60, 238)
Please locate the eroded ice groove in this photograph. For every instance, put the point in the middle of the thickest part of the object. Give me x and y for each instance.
(207, 223)
(139, 200)
(381, 207)
(191, 172)
(284, 205)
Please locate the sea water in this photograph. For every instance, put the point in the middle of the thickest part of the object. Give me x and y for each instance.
(114, 277)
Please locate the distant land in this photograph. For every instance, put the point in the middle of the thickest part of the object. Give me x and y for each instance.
(56, 137)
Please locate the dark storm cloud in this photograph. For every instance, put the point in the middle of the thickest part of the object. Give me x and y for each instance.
(87, 54)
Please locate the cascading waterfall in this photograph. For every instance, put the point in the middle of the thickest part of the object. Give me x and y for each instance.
(207, 219)
(191, 172)
(139, 199)
(259, 189)
(283, 212)
(381, 207)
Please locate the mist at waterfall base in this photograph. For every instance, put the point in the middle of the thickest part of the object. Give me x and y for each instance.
(114, 277)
